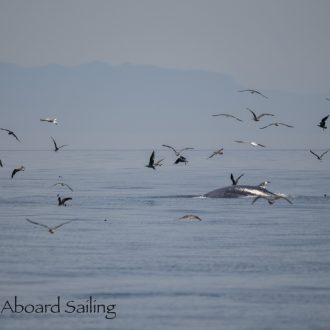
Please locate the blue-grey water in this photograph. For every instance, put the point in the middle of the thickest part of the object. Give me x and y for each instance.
(242, 267)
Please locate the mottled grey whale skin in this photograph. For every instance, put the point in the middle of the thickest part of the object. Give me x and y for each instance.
(238, 191)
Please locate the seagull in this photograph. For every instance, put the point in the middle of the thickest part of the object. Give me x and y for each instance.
(190, 217)
(272, 198)
(56, 147)
(159, 162)
(51, 230)
(318, 156)
(11, 133)
(177, 153)
(252, 91)
(62, 184)
(276, 124)
(22, 168)
(62, 201)
(50, 120)
(235, 181)
(255, 144)
(263, 184)
(151, 161)
(217, 152)
(227, 115)
(321, 124)
(257, 118)
(1, 165)
(181, 159)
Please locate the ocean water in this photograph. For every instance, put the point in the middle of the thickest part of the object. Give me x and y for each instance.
(243, 266)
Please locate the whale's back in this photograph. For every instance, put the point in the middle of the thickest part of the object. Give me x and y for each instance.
(238, 191)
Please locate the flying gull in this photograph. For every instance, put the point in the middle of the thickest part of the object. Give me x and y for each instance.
(272, 198)
(257, 118)
(22, 168)
(51, 230)
(62, 201)
(190, 217)
(62, 184)
(255, 144)
(322, 123)
(217, 152)
(276, 124)
(11, 133)
(233, 180)
(56, 148)
(50, 120)
(151, 161)
(227, 115)
(159, 162)
(181, 159)
(318, 156)
(177, 152)
(253, 91)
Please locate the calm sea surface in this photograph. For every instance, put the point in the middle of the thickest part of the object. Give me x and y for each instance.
(243, 267)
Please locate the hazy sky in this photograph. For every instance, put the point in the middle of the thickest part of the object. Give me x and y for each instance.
(282, 44)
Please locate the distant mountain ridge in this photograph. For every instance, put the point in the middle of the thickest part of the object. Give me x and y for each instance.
(127, 106)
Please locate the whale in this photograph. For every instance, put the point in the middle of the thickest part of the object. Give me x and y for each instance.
(236, 191)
